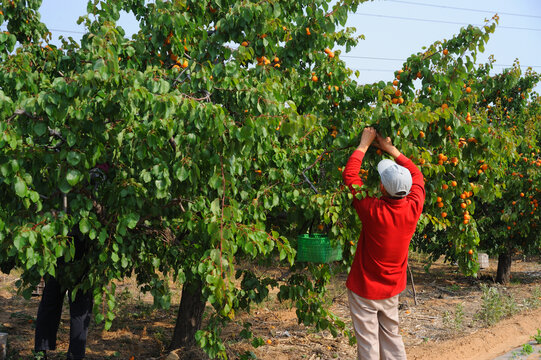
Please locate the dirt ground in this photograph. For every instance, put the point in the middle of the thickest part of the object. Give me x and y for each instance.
(449, 320)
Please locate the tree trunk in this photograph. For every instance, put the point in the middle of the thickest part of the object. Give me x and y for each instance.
(504, 268)
(190, 315)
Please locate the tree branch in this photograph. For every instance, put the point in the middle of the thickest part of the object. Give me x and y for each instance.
(173, 143)
(57, 134)
(20, 112)
(317, 160)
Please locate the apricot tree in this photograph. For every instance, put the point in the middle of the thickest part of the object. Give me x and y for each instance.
(170, 152)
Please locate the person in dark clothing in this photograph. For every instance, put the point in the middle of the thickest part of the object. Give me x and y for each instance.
(68, 275)
(50, 307)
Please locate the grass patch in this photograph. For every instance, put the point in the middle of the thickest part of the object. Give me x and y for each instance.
(495, 305)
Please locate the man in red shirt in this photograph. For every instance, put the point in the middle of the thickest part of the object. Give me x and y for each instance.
(378, 272)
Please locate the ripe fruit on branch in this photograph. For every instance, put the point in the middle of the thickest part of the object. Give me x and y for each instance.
(442, 158)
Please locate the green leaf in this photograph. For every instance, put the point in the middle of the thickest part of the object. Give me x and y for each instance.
(19, 242)
(215, 181)
(215, 206)
(99, 317)
(131, 220)
(182, 174)
(64, 186)
(102, 237)
(40, 128)
(71, 139)
(98, 64)
(73, 158)
(20, 187)
(73, 177)
(145, 175)
(84, 225)
(34, 196)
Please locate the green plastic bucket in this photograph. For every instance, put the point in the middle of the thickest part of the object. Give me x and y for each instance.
(317, 248)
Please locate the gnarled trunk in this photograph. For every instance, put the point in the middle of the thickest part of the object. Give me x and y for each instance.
(190, 315)
(504, 267)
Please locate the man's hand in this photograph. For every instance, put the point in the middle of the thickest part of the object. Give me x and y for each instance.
(369, 134)
(385, 144)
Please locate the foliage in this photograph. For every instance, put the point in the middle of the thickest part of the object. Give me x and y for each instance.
(495, 305)
(456, 320)
(527, 349)
(216, 135)
(510, 225)
(534, 301)
(537, 337)
(504, 177)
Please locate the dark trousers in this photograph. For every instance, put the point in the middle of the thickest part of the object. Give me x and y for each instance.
(48, 319)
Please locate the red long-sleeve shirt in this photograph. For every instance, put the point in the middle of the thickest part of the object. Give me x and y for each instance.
(379, 267)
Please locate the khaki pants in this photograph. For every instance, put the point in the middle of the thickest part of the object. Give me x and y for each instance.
(376, 328)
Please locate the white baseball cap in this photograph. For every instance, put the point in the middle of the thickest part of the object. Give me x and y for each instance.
(396, 179)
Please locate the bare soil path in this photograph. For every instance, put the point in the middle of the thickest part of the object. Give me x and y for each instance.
(485, 344)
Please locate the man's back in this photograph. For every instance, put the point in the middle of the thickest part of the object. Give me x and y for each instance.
(379, 268)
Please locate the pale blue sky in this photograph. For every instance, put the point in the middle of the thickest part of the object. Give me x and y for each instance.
(394, 29)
